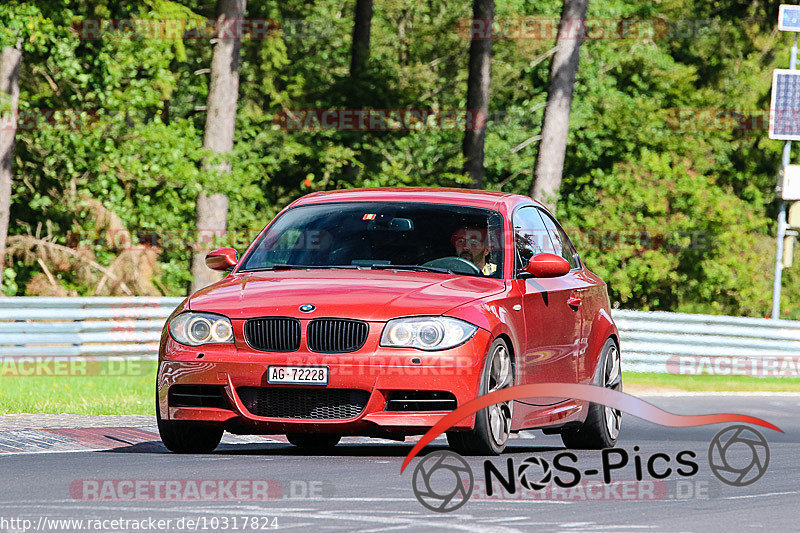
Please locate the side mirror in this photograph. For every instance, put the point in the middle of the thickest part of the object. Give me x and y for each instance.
(222, 258)
(545, 265)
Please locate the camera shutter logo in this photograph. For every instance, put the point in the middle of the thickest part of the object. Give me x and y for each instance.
(738, 455)
(527, 474)
(443, 481)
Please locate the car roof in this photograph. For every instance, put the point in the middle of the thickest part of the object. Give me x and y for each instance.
(472, 197)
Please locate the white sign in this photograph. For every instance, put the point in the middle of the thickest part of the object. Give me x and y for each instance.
(790, 182)
(789, 18)
(784, 108)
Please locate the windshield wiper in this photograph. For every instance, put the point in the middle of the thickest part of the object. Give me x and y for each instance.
(415, 268)
(282, 266)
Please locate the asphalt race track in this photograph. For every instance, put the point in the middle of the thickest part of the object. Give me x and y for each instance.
(360, 488)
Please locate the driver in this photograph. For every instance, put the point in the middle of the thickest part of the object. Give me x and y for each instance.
(471, 244)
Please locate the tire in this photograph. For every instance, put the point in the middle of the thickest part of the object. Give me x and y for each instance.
(186, 437)
(493, 423)
(313, 441)
(601, 427)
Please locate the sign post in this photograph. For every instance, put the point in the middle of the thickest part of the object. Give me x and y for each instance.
(784, 124)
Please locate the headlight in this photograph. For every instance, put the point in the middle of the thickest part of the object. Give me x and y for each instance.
(427, 332)
(195, 329)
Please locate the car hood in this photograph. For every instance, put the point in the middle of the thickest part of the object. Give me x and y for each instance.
(363, 294)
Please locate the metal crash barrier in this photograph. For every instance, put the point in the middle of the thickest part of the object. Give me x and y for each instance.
(131, 327)
(74, 327)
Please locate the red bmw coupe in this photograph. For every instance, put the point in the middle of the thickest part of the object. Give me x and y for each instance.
(375, 311)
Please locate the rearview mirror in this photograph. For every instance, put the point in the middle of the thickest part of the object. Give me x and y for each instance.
(545, 265)
(222, 258)
(384, 223)
(401, 224)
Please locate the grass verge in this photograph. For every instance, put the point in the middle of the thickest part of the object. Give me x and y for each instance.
(115, 389)
(637, 383)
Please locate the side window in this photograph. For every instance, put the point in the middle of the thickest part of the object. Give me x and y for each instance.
(530, 235)
(561, 242)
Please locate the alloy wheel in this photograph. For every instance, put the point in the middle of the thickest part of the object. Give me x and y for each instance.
(613, 380)
(500, 376)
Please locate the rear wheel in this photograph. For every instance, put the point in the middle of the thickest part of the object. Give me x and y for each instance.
(493, 423)
(313, 441)
(601, 427)
(185, 437)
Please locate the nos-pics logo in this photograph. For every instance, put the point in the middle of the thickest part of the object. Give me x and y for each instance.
(443, 481)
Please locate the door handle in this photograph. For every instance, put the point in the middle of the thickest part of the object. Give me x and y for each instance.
(574, 302)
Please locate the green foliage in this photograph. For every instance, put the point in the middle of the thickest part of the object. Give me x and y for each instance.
(673, 214)
(674, 239)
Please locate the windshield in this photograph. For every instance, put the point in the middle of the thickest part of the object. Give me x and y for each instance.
(382, 235)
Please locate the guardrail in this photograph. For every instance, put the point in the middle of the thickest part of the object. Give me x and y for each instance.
(660, 342)
(97, 326)
(131, 327)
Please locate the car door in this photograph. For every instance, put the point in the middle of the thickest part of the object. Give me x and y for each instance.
(552, 321)
(585, 289)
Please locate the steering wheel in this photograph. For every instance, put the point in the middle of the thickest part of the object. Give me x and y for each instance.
(458, 265)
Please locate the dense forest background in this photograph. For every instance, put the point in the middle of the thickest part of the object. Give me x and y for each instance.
(668, 186)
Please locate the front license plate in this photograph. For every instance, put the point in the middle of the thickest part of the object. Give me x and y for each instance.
(297, 375)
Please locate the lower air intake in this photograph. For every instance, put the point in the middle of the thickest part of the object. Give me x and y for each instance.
(197, 396)
(304, 404)
(420, 401)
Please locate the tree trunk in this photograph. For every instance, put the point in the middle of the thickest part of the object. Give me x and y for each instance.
(9, 101)
(212, 208)
(480, 60)
(361, 29)
(553, 146)
(359, 57)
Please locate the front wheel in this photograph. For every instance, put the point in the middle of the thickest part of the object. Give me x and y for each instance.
(185, 437)
(493, 423)
(601, 427)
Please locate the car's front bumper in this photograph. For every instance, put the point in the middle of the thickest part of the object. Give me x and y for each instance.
(377, 370)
